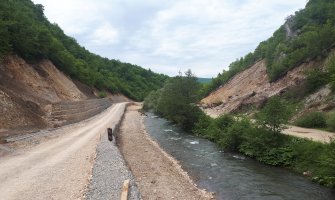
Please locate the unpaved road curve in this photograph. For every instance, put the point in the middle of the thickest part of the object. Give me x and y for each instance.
(58, 168)
(312, 134)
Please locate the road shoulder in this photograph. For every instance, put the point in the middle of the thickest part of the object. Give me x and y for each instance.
(109, 173)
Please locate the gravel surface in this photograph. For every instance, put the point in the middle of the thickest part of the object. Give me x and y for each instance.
(109, 173)
(58, 166)
(158, 175)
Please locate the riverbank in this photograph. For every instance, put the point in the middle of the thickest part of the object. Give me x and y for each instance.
(230, 175)
(157, 174)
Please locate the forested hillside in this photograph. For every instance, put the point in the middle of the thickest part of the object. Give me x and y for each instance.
(25, 31)
(307, 35)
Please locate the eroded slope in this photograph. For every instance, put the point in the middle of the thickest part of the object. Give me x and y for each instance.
(252, 87)
(27, 90)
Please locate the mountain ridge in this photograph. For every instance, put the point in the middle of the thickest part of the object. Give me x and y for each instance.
(26, 32)
(299, 57)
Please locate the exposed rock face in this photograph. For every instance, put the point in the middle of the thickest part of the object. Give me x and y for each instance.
(251, 87)
(26, 92)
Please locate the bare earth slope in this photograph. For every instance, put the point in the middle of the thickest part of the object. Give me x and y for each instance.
(59, 167)
(251, 86)
(158, 175)
(41, 81)
(27, 89)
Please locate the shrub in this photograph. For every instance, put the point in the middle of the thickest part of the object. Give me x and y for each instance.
(188, 117)
(327, 169)
(281, 156)
(224, 121)
(316, 79)
(102, 94)
(331, 121)
(259, 141)
(331, 69)
(254, 143)
(312, 120)
(234, 135)
(202, 126)
(213, 133)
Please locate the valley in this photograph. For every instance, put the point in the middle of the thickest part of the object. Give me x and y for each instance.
(81, 124)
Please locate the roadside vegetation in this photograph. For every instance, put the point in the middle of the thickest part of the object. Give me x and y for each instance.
(25, 31)
(319, 120)
(261, 139)
(313, 37)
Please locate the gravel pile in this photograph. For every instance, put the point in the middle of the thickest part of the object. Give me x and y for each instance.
(109, 173)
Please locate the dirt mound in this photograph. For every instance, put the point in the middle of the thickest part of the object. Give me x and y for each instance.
(252, 87)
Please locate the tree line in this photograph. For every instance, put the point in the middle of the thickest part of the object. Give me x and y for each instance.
(25, 31)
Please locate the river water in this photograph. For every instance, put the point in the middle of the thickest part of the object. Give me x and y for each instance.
(231, 176)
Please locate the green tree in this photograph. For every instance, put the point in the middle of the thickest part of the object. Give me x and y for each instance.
(274, 115)
(177, 100)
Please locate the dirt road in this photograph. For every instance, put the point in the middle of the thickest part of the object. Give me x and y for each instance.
(157, 174)
(57, 168)
(312, 134)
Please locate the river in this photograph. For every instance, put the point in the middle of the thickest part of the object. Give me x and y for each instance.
(231, 176)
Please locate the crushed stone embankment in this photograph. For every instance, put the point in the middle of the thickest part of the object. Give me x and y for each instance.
(109, 173)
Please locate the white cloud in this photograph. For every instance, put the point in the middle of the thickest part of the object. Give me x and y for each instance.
(106, 34)
(168, 36)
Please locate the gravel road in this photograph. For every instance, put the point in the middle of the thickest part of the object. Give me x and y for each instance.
(59, 167)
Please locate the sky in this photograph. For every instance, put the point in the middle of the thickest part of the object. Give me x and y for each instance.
(172, 35)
